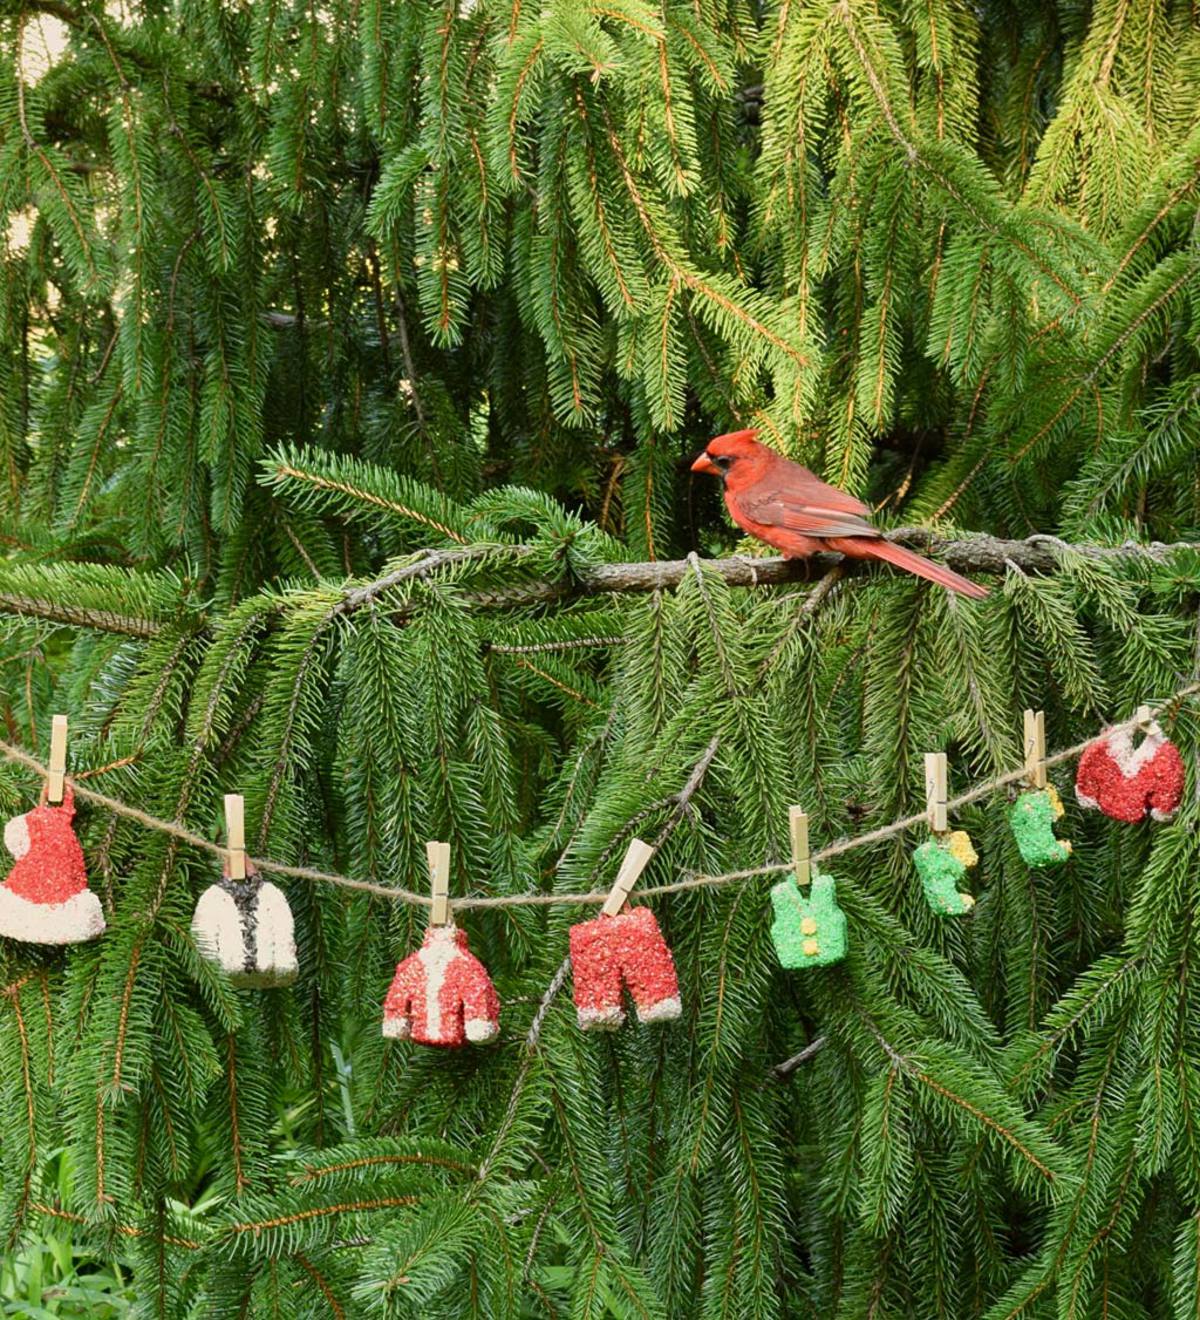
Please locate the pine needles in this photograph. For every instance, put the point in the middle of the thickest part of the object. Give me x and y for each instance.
(342, 352)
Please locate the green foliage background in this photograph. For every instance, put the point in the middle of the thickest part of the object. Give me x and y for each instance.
(294, 293)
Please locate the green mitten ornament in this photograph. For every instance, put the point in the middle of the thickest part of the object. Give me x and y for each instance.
(1032, 819)
(941, 863)
(808, 930)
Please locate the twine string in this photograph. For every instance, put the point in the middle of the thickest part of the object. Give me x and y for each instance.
(692, 880)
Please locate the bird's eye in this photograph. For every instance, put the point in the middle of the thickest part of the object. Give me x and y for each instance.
(723, 461)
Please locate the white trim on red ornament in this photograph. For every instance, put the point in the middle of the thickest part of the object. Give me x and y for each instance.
(601, 1019)
(1130, 759)
(78, 918)
(436, 956)
(664, 1010)
(16, 836)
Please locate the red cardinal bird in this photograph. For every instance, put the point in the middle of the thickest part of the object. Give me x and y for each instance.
(784, 505)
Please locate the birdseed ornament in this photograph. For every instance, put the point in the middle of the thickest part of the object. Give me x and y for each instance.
(625, 951)
(1032, 818)
(942, 862)
(808, 930)
(1130, 783)
(245, 927)
(45, 898)
(442, 994)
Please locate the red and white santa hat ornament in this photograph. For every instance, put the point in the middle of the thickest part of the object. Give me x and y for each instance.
(45, 898)
(441, 994)
(1130, 782)
(623, 949)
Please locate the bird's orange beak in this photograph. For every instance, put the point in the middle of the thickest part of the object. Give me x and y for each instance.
(705, 464)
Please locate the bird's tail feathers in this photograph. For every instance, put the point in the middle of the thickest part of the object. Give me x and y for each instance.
(926, 568)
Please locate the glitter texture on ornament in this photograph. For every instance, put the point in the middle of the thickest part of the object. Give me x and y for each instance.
(45, 899)
(622, 952)
(1130, 783)
(442, 994)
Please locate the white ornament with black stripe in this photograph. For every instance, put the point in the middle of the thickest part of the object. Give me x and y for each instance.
(245, 927)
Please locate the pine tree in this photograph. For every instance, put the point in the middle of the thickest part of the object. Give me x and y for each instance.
(349, 354)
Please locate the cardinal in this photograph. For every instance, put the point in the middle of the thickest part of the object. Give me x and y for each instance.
(786, 506)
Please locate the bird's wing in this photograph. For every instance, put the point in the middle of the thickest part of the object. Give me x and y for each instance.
(795, 483)
(814, 514)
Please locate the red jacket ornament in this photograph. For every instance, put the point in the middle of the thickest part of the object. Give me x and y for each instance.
(442, 994)
(1130, 783)
(628, 950)
(45, 898)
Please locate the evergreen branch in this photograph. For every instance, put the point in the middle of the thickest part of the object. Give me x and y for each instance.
(65, 197)
(319, 1279)
(281, 471)
(13, 994)
(78, 616)
(1089, 379)
(313, 1172)
(257, 1226)
(124, 1230)
(1037, 554)
(240, 1178)
(911, 1068)
(562, 687)
(571, 644)
(428, 562)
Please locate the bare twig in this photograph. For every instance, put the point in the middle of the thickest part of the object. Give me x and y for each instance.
(788, 1066)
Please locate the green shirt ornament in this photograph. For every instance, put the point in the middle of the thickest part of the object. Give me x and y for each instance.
(809, 930)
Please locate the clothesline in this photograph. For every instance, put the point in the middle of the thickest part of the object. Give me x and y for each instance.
(693, 880)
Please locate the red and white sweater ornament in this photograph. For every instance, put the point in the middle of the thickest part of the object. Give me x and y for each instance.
(45, 898)
(1130, 783)
(442, 994)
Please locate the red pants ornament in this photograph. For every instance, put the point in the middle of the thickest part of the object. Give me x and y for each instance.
(442, 994)
(1130, 783)
(628, 950)
(46, 899)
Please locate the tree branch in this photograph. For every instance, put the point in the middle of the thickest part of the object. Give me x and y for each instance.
(1038, 554)
(784, 1070)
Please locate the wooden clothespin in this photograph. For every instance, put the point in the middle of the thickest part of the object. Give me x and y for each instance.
(935, 791)
(1035, 748)
(439, 882)
(637, 855)
(798, 828)
(58, 759)
(235, 834)
(1145, 719)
